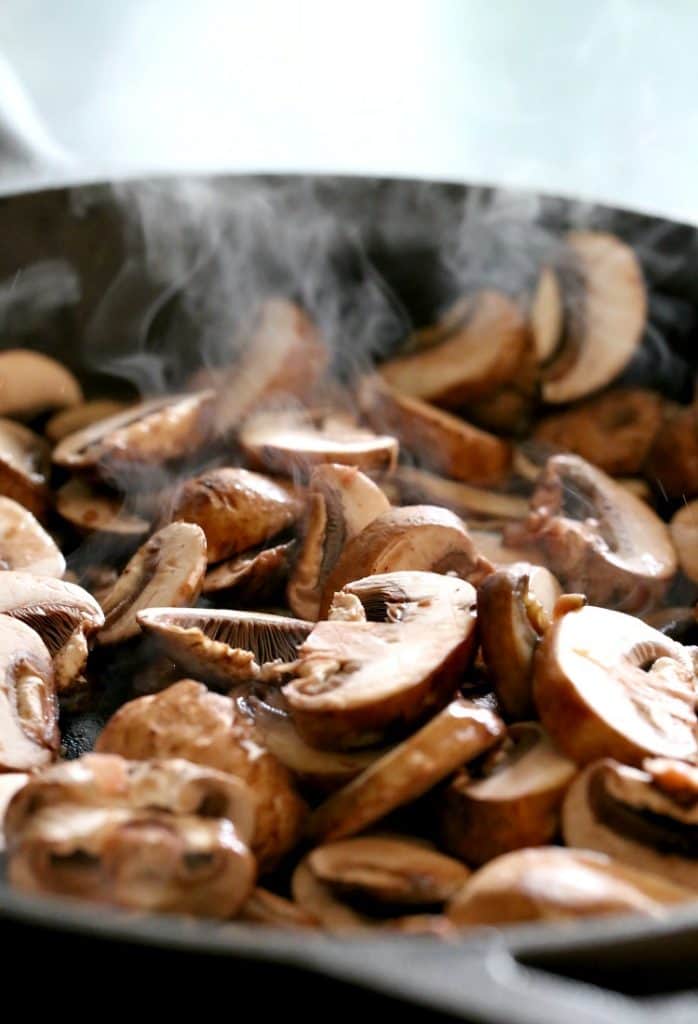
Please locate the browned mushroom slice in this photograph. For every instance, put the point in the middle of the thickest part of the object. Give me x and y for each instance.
(24, 544)
(24, 464)
(140, 859)
(684, 533)
(511, 618)
(294, 442)
(548, 883)
(481, 353)
(168, 570)
(415, 537)
(31, 382)
(90, 508)
(491, 546)
(341, 502)
(646, 818)
(596, 537)
(357, 681)
(254, 576)
(511, 802)
(608, 685)
(187, 720)
(155, 431)
(547, 315)
(68, 421)
(672, 463)
(236, 509)
(223, 647)
(606, 325)
(459, 733)
(28, 708)
(64, 615)
(437, 439)
(10, 783)
(473, 503)
(265, 907)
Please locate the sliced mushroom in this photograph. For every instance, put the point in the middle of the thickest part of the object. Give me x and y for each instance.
(416, 537)
(294, 442)
(547, 315)
(552, 884)
(10, 783)
(647, 818)
(68, 421)
(151, 432)
(511, 619)
(24, 463)
(596, 537)
(64, 615)
(235, 508)
(672, 463)
(254, 576)
(459, 733)
(684, 533)
(513, 800)
(341, 502)
(356, 682)
(491, 546)
(91, 509)
(29, 734)
(223, 647)
(31, 382)
(187, 720)
(477, 356)
(436, 439)
(614, 431)
(473, 503)
(140, 859)
(24, 544)
(168, 570)
(265, 907)
(608, 685)
(605, 327)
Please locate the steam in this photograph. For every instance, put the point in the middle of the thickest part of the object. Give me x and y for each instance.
(34, 292)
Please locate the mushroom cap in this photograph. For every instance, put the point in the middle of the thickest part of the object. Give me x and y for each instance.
(29, 734)
(253, 576)
(608, 685)
(235, 508)
(77, 417)
(31, 382)
(356, 680)
(168, 570)
(24, 462)
(548, 883)
(93, 509)
(24, 544)
(684, 533)
(187, 720)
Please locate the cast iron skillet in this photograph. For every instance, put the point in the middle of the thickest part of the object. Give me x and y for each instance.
(117, 310)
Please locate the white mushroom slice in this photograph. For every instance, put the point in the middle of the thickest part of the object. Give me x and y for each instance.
(235, 508)
(416, 537)
(187, 720)
(636, 817)
(254, 576)
(356, 682)
(64, 615)
(31, 382)
(513, 800)
(608, 685)
(459, 733)
(265, 907)
(24, 544)
(140, 859)
(672, 464)
(168, 570)
(154, 431)
(294, 442)
(614, 431)
(10, 783)
(684, 533)
(436, 439)
(547, 315)
(223, 647)
(94, 509)
(605, 331)
(24, 463)
(470, 502)
(597, 537)
(29, 734)
(68, 421)
(341, 502)
(551, 884)
(479, 355)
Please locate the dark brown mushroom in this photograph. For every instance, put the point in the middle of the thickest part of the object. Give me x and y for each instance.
(93, 509)
(31, 382)
(29, 734)
(254, 576)
(672, 464)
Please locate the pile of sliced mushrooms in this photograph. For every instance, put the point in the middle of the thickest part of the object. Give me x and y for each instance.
(415, 658)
